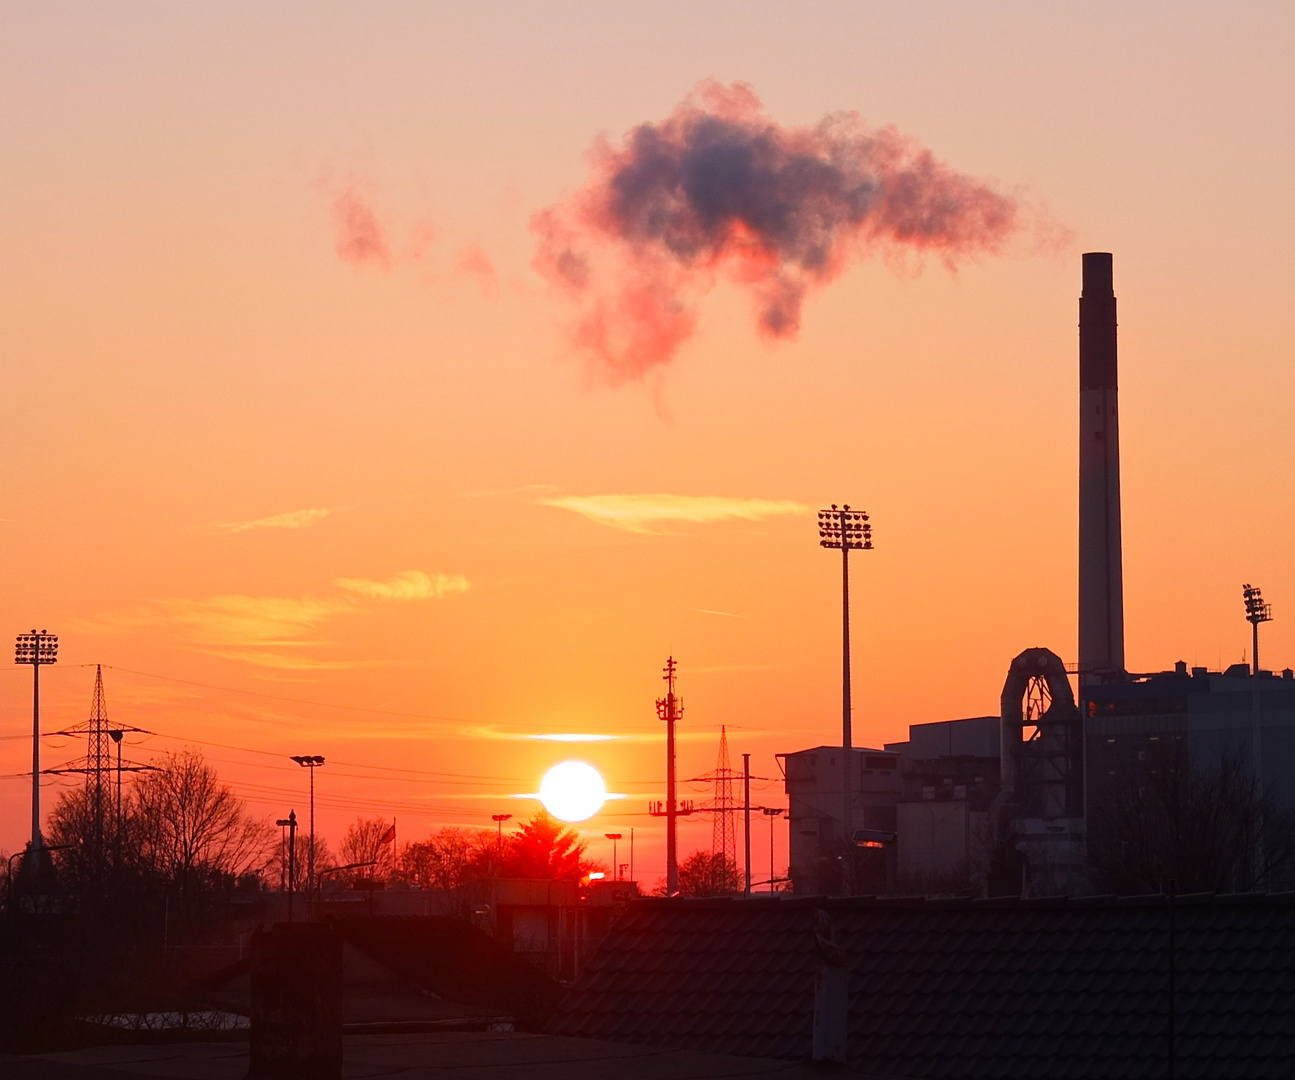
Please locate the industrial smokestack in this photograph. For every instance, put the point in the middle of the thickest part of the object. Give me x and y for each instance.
(1101, 566)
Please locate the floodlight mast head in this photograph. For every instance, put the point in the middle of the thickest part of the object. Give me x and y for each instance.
(843, 528)
(37, 648)
(1256, 610)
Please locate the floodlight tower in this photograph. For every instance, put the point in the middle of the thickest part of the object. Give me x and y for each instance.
(311, 762)
(1256, 612)
(37, 648)
(848, 530)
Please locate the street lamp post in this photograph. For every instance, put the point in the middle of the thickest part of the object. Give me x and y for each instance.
(848, 530)
(117, 735)
(746, 824)
(38, 648)
(499, 820)
(311, 762)
(771, 812)
(616, 867)
(290, 823)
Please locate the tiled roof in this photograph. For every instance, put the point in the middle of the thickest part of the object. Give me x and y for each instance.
(458, 962)
(1003, 988)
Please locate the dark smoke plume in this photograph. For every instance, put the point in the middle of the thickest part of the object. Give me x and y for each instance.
(719, 188)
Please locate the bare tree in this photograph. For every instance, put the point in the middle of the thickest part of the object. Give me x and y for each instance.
(1191, 829)
(708, 873)
(70, 826)
(449, 858)
(324, 859)
(193, 830)
(364, 840)
(370, 840)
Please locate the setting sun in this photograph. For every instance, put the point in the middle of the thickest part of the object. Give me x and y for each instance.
(573, 791)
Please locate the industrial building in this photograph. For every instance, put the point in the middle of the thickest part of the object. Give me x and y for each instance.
(1010, 804)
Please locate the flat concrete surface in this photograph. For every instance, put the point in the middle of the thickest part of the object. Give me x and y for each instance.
(462, 1055)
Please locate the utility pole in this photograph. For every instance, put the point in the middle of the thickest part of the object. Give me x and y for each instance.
(841, 527)
(746, 822)
(37, 648)
(614, 837)
(311, 762)
(631, 853)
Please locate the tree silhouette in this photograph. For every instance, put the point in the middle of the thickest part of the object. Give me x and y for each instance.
(448, 858)
(1196, 828)
(193, 830)
(708, 873)
(179, 827)
(544, 848)
(363, 843)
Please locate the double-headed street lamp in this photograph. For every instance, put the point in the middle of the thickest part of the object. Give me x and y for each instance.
(311, 762)
(846, 529)
(38, 648)
(771, 812)
(290, 823)
(614, 837)
(499, 820)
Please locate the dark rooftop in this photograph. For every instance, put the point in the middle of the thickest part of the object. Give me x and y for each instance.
(1098, 987)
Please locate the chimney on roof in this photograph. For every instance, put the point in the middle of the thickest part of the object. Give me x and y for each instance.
(1101, 572)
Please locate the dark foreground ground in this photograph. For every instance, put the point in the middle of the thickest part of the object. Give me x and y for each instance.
(462, 1055)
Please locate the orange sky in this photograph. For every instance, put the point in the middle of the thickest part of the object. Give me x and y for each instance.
(323, 487)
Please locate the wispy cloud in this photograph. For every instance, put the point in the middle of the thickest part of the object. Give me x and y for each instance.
(273, 631)
(407, 585)
(572, 736)
(282, 661)
(726, 614)
(252, 620)
(358, 236)
(649, 513)
(476, 264)
(525, 489)
(293, 519)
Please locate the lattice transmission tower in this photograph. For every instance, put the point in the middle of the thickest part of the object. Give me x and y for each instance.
(723, 835)
(103, 805)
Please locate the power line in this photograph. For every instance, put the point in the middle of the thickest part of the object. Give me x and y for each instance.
(304, 701)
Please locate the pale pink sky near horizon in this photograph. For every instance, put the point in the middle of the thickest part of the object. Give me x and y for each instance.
(235, 459)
